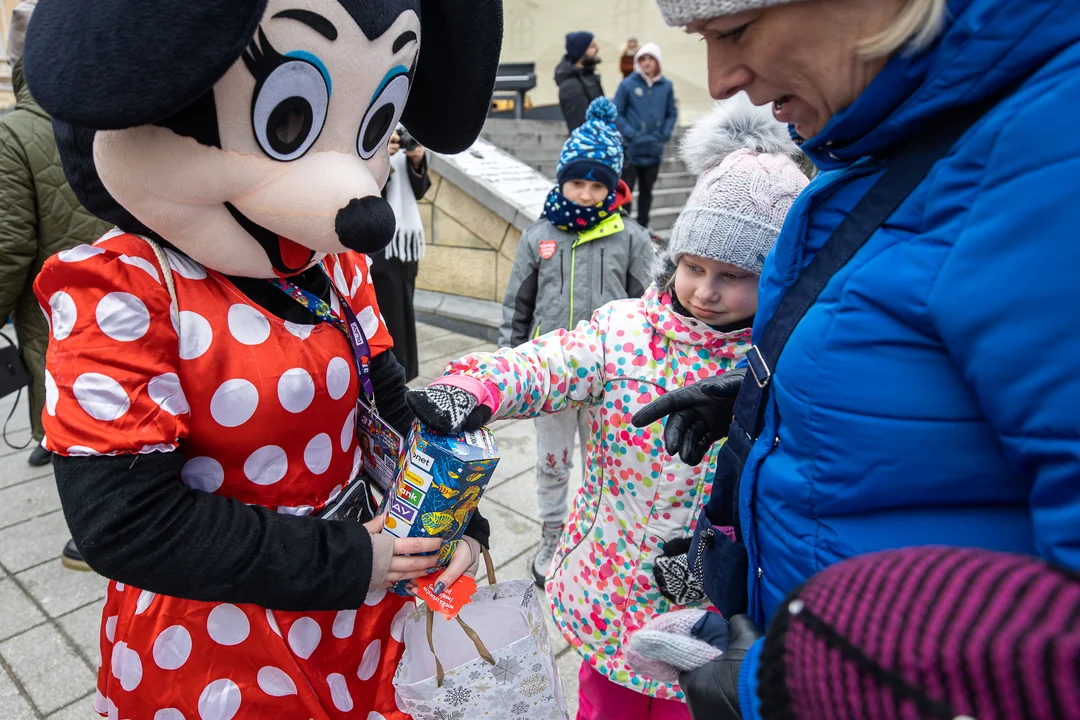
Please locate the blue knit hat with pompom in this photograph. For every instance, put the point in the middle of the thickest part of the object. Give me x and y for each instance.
(594, 151)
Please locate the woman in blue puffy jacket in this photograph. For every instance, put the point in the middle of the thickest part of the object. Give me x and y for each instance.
(930, 395)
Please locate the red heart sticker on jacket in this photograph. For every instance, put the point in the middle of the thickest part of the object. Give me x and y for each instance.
(547, 248)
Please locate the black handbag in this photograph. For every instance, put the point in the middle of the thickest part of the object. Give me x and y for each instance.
(13, 378)
(723, 563)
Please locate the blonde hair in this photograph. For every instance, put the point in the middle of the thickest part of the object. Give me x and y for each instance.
(917, 25)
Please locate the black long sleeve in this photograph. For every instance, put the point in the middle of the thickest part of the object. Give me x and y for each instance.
(419, 179)
(135, 521)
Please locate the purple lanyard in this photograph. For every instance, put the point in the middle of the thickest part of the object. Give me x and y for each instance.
(350, 326)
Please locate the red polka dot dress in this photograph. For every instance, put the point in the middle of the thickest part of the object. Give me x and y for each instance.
(264, 412)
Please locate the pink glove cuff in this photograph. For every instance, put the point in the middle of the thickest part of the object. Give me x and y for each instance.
(485, 392)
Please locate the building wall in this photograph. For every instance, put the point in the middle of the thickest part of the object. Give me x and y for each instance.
(7, 99)
(470, 248)
(536, 30)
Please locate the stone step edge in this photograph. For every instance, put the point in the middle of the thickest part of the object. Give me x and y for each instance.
(460, 314)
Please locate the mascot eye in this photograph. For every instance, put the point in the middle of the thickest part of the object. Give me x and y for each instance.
(383, 114)
(290, 109)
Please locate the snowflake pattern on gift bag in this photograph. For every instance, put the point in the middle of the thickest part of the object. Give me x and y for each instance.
(524, 679)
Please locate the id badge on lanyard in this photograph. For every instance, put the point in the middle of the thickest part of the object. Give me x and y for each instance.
(381, 446)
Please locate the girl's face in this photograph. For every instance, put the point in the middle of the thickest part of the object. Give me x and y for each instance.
(801, 57)
(715, 293)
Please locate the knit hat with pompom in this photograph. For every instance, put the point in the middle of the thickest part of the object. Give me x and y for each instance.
(594, 150)
(683, 12)
(747, 182)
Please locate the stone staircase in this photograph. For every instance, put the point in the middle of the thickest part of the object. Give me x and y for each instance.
(537, 143)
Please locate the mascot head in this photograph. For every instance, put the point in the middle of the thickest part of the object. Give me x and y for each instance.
(252, 134)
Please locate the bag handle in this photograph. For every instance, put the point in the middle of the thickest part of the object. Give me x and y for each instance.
(489, 565)
(18, 396)
(166, 271)
(469, 632)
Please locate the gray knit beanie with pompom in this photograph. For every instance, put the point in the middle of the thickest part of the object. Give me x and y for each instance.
(747, 182)
(683, 12)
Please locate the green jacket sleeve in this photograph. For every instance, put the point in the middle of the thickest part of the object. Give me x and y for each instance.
(18, 221)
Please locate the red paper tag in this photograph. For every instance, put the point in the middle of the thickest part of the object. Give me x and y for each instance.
(454, 598)
(547, 248)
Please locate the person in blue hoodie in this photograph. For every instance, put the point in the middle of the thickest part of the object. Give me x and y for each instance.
(647, 115)
(930, 394)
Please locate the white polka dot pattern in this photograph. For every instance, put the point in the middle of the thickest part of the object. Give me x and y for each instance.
(64, 314)
(101, 397)
(166, 392)
(195, 335)
(234, 402)
(339, 692)
(203, 473)
(370, 662)
(220, 700)
(337, 377)
(296, 390)
(247, 325)
(122, 316)
(79, 253)
(318, 453)
(267, 465)
(228, 625)
(275, 682)
(172, 648)
(304, 637)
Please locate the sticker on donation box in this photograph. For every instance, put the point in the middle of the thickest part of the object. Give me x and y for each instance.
(381, 445)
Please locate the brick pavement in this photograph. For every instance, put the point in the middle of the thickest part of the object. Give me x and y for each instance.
(49, 615)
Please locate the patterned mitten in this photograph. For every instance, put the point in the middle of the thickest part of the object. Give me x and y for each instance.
(447, 407)
(676, 642)
(674, 576)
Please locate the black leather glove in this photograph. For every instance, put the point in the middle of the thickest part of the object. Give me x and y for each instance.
(448, 409)
(674, 577)
(712, 690)
(698, 415)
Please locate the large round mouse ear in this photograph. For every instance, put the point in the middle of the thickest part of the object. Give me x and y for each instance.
(113, 64)
(460, 42)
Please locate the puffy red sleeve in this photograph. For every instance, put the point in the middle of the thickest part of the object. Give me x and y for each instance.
(111, 383)
(351, 273)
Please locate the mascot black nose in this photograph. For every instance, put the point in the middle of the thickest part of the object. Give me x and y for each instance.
(366, 224)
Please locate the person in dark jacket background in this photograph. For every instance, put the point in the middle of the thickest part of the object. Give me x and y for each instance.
(576, 77)
(393, 270)
(647, 115)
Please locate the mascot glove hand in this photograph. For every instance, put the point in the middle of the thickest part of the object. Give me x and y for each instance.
(454, 404)
(697, 416)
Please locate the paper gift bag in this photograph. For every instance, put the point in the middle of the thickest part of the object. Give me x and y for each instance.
(493, 661)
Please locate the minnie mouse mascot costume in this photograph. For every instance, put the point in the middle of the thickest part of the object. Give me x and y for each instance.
(206, 356)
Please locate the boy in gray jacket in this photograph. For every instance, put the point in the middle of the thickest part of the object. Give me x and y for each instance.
(580, 256)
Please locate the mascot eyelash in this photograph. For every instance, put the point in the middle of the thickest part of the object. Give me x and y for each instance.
(290, 101)
(292, 97)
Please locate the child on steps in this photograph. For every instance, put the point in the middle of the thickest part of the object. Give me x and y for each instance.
(621, 561)
(580, 255)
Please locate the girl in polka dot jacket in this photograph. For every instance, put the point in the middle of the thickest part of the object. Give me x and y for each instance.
(622, 560)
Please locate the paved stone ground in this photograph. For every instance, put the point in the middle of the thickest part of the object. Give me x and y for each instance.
(49, 616)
